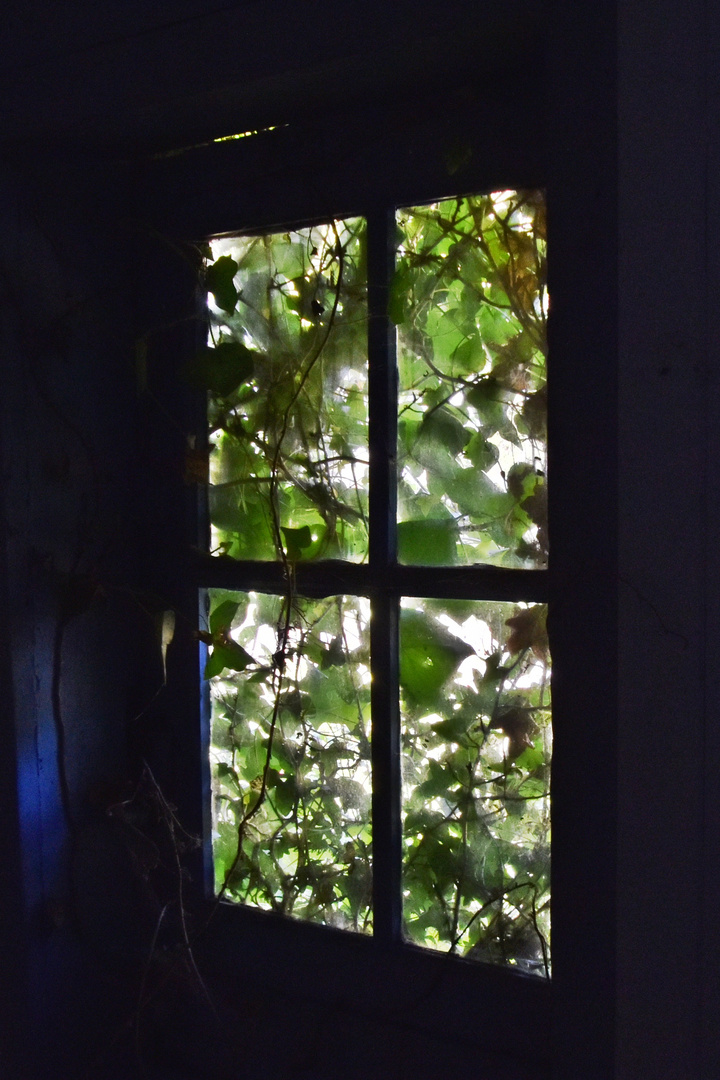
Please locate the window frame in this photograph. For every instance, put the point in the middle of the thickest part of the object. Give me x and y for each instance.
(203, 203)
(381, 578)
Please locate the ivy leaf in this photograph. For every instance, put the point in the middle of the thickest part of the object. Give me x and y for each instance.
(222, 369)
(487, 396)
(335, 655)
(227, 654)
(469, 489)
(445, 428)
(221, 618)
(427, 542)
(452, 729)
(429, 655)
(236, 658)
(438, 782)
(532, 758)
(493, 873)
(284, 796)
(214, 664)
(219, 281)
(296, 540)
(298, 703)
(536, 507)
(227, 773)
(482, 453)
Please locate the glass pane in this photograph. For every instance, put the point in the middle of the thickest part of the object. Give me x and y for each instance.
(286, 372)
(290, 754)
(470, 304)
(476, 738)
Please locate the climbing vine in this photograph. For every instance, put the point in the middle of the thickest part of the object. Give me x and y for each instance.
(287, 380)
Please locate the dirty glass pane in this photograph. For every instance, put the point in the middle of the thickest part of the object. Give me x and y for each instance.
(286, 371)
(470, 305)
(476, 748)
(290, 754)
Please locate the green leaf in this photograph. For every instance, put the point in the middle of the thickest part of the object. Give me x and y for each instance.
(284, 796)
(421, 821)
(296, 540)
(493, 871)
(214, 664)
(222, 369)
(335, 655)
(443, 427)
(487, 396)
(496, 327)
(469, 489)
(221, 618)
(298, 704)
(428, 655)
(531, 758)
(469, 356)
(227, 773)
(228, 655)
(453, 728)
(438, 782)
(427, 542)
(219, 281)
(482, 453)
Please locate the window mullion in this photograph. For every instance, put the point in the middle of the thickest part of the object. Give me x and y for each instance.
(387, 839)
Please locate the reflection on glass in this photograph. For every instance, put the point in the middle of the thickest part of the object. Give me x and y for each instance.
(290, 754)
(476, 750)
(286, 371)
(470, 304)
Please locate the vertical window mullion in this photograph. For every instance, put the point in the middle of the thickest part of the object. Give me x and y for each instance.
(387, 836)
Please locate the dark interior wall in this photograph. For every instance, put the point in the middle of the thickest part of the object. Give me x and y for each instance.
(91, 462)
(93, 500)
(92, 471)
(86, 93)
(183, 72)
(69, 452)
(668, 632)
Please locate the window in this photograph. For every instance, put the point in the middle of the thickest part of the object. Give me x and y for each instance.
(347, 155)
(378, 658)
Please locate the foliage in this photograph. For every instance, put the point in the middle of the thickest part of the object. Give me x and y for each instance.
(287, 375)
(307, 851)
(469, 302)
(476, 756)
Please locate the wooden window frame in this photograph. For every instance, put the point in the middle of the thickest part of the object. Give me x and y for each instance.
(196, 195)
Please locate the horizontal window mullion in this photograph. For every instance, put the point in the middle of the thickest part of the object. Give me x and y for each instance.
(335, 577)
(470, 582)
(310, 579)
